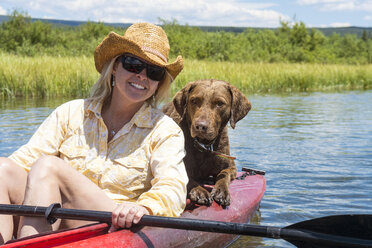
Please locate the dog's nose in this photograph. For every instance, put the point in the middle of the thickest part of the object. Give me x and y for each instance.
(201, 126)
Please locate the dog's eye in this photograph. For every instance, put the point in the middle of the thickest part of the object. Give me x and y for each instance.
(220, 104)
(193, 101)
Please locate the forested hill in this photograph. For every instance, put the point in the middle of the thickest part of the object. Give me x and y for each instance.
(358, 31)
(326, 31)
(67, 22)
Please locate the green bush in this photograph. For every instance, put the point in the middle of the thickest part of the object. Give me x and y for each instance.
(297, 44)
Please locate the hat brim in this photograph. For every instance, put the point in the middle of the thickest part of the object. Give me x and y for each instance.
(115, 44)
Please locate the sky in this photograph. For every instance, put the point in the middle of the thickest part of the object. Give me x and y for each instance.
(235, 13)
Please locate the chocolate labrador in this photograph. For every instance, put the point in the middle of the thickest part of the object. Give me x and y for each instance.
(202, 109)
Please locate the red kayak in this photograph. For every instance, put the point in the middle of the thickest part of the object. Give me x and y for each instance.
(246, 194)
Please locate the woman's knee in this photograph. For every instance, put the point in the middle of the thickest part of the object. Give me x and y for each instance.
(44, 169)
(9, 171)
(5, 168)
(48, 163)
(12, 181)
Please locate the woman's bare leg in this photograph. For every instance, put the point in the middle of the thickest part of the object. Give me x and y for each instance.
(12, 187)
(51, 180)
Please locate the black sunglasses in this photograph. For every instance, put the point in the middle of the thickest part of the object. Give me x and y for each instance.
(135, 65)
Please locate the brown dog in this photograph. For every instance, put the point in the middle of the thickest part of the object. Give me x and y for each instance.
(202, 109)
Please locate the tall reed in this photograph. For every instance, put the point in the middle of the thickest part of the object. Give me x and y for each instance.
(280, 77)
(46, 76)
(73, 76)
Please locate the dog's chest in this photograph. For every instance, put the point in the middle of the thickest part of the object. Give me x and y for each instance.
(201, 165)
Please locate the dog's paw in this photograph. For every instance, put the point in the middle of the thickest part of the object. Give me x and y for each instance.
(221, 195)
(200, 196)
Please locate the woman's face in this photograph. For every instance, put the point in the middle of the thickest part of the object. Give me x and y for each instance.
(135, 88)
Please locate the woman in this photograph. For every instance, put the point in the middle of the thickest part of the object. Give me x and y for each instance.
(114, 151)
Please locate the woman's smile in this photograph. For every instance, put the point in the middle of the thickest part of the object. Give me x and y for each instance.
(137, 86)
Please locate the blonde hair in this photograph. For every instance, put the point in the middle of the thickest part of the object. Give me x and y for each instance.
(102, 89)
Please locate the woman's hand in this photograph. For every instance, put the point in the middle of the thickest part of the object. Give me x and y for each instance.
(127, 213)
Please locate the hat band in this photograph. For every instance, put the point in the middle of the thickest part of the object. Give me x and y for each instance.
(155, 52)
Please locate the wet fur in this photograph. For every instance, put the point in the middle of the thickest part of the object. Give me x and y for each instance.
(202, 109)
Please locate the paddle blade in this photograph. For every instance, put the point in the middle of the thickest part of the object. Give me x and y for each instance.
(348, 229)
(353, 226)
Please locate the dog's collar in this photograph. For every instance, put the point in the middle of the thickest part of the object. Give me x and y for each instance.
(209, 148)
(203, 147)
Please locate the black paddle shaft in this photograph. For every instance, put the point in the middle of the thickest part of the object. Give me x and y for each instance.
(302, 234)
(146, 220)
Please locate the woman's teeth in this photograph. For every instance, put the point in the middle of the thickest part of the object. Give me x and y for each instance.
(137, 86)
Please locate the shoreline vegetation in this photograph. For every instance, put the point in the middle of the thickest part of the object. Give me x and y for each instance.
(49, 76)
(38, 59)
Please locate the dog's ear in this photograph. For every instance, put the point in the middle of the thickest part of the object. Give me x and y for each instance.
(180, 99)
(240, 105)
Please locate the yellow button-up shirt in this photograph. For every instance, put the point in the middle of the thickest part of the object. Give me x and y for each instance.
(142, 163)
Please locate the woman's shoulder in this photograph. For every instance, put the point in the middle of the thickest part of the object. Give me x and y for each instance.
(72, 109)
(164, 122)
(73, 104)
(76, 105)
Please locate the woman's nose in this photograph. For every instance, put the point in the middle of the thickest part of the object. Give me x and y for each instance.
(142, 75)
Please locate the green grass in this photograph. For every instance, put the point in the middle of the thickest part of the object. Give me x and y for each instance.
(281, 77)
(46, 76)
(73, 76)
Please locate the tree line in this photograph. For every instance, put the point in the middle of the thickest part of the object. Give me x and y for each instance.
(288, 43)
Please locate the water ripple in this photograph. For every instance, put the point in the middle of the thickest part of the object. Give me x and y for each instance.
(317, 152)
(316, 149)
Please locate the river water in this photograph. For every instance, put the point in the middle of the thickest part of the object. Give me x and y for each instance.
(316, 149)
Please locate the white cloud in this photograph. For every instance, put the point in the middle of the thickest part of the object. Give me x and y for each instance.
(2, 11)
(192, 12)
(223, 13)
(367, 6)
(335, 25)
(339, 5)
(340, 24)
(367, 18)
(307, 2)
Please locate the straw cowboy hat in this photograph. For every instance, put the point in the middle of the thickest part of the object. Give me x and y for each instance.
(147, 41)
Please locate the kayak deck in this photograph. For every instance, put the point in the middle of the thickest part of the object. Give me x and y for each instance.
(245, 194)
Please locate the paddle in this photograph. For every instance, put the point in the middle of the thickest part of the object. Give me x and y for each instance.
(330, 231)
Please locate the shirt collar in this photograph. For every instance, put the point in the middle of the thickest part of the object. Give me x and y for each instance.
(143, 117)
(94, 107)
